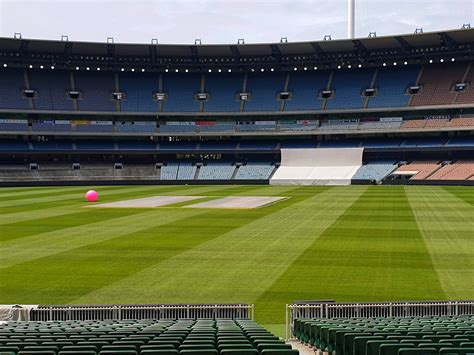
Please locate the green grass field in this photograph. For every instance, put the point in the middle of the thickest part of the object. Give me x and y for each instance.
(344, 243)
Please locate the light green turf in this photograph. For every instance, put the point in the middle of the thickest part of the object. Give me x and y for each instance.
(351, 243)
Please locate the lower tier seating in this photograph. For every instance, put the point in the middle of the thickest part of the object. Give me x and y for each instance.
(421, 169)
(254, 172)
(216, 171)
(374, 171)
(134, 337)
(389, 336)
(456, 171)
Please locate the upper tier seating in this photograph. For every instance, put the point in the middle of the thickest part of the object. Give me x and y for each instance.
(462, 170)
(423, 168)
(134, 337)
(223, 89)
(437, 81)
(254, 171)
(376, 170)
(263, 89)
(379, 125)
(216, 171)
(461, 122)
(305, 88)
(181, 90)
(467, 96)
(388, 336)
(14, 125)
(51, 88)
(391, 84)
(348, 86)
(12, 82)
(96, 89)
(139, 89)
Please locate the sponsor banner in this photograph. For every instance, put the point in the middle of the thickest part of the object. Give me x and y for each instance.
(264, 123)
(306, 122)
(180, 123)
(438, 117)
(13, 121)
(391, 119)
(205, 123)
(62, 122)
(80, 122)
(102, 123)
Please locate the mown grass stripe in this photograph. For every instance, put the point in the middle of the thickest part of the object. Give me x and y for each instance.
(100, 264)
(447, 224)
(45, 244)
(73, 205)
(239, 265)
(372, 252)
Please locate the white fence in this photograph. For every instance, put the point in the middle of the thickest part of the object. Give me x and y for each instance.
(313, 310)
(120, 312)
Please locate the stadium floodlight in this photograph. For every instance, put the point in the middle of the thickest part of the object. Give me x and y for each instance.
(405, 63)
(327, 38)
(133, 69)
(431, 61)
(87, 68)
(52, 67)
(272, 69)
(110, 40)
(230, 70)
(283, 40)
(219, 70)
(384, 64)
(210, 70)
(197, 42)
(122, 69)
(360, 65)
(453, 59)
(349, 66)
(339, 67)
(31, 66)
(305, 68)
(241, 41)
(176, 70)
(466, 26)
(252, 70)
(143, 70)
(395, 64)
(186, 70)
(17, 35)
(5, 65)
(41, 67)
(419, 30)
(262, 70)
(166, 70)
(77, 68)
(350, 18)
(295, 68)
(98, 69)
(441, 60)
(64, 38)
(315, 68)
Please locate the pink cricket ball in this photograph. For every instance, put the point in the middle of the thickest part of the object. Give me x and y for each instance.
(92, 196)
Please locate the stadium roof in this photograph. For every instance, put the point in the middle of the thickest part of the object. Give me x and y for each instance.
(373, 48)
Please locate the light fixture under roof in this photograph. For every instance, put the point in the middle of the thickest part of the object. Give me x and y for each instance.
(5, 65)
(230, 70)
(88, 68)
(122, 69)
(295, 68)
(98, 69)
(77, 68)
(143, 70)
(360, 65)
(52, 66)
(441, 60)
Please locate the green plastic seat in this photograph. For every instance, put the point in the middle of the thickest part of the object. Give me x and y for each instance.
(198, 352)
(159, 351)
(418, 351)
(392, 349)
(280, 352)
(457, 351)
(239, 352)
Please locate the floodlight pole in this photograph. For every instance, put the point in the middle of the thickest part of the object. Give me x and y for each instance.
(350, 18)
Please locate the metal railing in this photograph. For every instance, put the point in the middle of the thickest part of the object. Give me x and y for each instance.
(330, 309)
(121, 312)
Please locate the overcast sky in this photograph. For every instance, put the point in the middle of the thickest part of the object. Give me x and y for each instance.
(223, 21)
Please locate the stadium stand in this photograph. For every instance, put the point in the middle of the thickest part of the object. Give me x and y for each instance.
(462, 170)
(139, 89)
(186, 171)
(418, 170)
(12, 83)
(216, 171)
(181, 90)
(305, 88)
(263, 89)
(384, 336)
(376, 170)
(165, 337)
(254, 171)
(223, 92)
(51, 88)
(348, 86)
(170, 171)
(437, 82)
(391, 85)
(96, 89)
